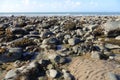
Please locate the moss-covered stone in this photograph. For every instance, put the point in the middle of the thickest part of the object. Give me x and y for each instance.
(69, 25)
(23, 43)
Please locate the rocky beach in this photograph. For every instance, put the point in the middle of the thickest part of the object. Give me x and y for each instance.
(60, 48)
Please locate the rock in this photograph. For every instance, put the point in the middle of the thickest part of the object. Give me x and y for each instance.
(73, 41)
(46, 34)
(75, 49)
(111, 57)
(111, 46)
(15, 50)
(67, 36)
(112, 76)
(17, 63)
(117, 38)
(112, 29)
(111, 25)
(12, 55)
(56, 58)
(19, 31)
(66, 75)
(69, 25)
(79, 32)
(52, 73)
(53, 41)
(92, 27)
(45, 41)
(95, 55)
(11, 75)
(45, 25)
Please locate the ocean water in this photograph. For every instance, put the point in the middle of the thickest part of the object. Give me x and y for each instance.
(60, 14)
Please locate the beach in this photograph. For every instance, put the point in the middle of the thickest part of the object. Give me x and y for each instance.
(60, 47)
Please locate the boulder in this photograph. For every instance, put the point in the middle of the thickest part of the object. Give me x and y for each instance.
(112, 29)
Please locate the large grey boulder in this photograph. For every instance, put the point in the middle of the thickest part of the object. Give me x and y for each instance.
(112, 29)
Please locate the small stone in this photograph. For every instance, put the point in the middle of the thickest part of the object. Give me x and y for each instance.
(12, 75)
(118, 38)
(73, 41)
(66, 75)
(52, 73)
(95, 55)
(111, 57)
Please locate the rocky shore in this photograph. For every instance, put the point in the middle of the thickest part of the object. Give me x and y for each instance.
(60, 48)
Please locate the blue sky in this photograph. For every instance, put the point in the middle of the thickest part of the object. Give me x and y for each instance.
(60, 6)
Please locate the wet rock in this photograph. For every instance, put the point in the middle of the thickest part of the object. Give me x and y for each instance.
(73, 41)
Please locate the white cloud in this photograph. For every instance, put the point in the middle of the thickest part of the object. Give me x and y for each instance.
(39, 6)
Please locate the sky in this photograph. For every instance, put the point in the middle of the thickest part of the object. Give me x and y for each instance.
(60, 6)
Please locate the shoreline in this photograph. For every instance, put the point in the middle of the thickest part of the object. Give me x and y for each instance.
(60, 47)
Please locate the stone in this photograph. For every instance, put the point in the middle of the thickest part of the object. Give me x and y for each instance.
(52, 73)
(15, 50)
(53, 41)
(95, 55)
(117, 38)
(66, 75)
(46, 34)
(11, 75)
(67, 36)
(79, 32)
(73, 41)
(45, 25)
(92, 27)
(12, 55)
(19, 31)
(112, 46)
(112, 29)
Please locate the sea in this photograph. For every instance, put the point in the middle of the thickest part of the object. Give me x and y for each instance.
(60, 13)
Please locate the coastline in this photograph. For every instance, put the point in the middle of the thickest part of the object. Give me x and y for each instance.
(30, 14)
(59, 47)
